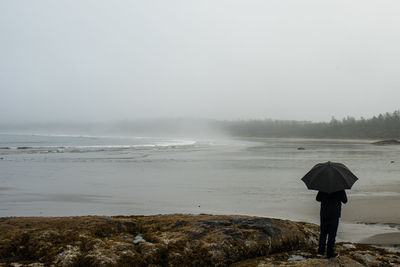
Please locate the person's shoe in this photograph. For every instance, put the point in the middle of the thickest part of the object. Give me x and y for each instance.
(320, 253)
(331, 256)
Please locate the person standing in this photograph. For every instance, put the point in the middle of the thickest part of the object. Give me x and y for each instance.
(331, 206)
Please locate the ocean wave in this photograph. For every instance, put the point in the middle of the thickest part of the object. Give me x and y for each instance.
(173, 144)
(16, 147)
(77, 136)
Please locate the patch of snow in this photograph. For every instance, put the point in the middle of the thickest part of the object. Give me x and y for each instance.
(138, 239)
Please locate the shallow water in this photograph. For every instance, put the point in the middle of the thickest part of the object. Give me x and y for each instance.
(64, 175)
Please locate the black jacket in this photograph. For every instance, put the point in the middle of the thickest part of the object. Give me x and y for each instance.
(331, 204)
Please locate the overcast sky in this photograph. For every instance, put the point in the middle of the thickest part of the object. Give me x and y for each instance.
(113, 60)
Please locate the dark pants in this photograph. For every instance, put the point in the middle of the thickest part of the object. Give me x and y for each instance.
(328, 228)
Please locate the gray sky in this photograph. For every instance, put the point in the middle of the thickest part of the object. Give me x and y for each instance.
(111, 60)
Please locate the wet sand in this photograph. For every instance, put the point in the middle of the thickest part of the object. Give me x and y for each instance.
(388, 239)
(377, 210)
(374, 210)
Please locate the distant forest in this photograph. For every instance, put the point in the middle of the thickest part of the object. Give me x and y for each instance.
(383, 126)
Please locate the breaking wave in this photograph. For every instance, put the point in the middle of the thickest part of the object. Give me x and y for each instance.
(82, 144)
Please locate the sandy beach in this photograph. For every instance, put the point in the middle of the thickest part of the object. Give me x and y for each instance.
(374, 210)
(379, 211)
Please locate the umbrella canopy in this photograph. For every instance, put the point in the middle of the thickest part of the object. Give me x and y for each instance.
(329, 177)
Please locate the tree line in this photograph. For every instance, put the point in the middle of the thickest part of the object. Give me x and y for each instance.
(383, 126)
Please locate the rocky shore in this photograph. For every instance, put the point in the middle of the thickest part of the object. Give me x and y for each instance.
(173, 240)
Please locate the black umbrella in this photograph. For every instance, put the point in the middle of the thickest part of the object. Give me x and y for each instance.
(329, 177)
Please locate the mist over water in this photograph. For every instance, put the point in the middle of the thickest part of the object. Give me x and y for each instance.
(171, 128)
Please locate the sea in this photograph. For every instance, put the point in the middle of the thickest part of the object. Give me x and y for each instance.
(71, 175)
